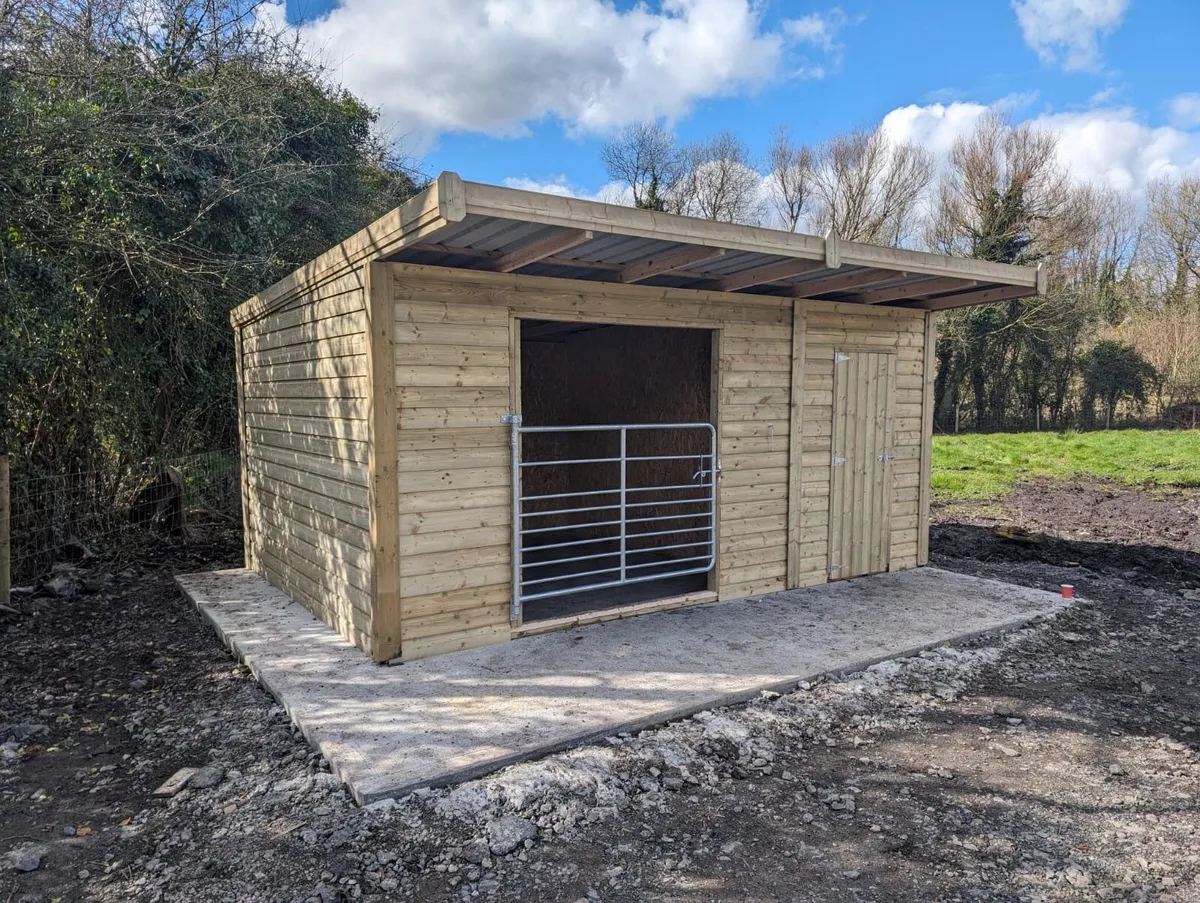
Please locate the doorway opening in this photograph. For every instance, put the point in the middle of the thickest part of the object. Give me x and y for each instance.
(617, 498)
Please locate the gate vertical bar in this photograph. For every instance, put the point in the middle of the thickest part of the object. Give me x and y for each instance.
(514, 609)
(714, 475)
(624, 484)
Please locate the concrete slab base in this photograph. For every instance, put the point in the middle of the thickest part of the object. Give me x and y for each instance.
(388, 730)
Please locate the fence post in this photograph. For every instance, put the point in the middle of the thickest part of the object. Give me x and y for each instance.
(5, 537)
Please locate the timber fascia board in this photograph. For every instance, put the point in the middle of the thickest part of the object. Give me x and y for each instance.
(420, 218)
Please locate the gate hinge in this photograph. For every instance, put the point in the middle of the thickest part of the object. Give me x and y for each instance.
(511, 418)
(837, 461)
(839, 357)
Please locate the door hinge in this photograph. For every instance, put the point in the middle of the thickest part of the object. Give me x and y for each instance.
(886, 457)
(837, 461)
(834, 567)
(839, 358)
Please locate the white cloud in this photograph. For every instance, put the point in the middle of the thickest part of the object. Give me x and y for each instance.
(1114, 147)
(1067, 32)
(1185, 111)
(610, 193)
(494, 66)
(1104, 96)
(819, 29)
(1106, 146)
(934, 126)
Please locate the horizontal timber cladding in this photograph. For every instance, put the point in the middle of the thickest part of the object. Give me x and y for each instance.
(454, 361)
(830, 328)
(305, 401)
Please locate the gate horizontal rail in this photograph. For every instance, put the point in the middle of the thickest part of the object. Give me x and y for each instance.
(624, 534)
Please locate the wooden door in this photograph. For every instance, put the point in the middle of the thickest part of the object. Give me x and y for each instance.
(860, 486)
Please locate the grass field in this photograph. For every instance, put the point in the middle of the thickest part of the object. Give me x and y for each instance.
(988, 466)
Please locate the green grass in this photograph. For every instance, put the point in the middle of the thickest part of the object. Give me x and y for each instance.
(988, 466)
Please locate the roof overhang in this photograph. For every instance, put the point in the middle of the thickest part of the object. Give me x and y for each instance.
(472, 226)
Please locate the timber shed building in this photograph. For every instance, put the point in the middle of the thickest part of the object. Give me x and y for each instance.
(493, 413)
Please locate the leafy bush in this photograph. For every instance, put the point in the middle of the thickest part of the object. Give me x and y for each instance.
(159, 163)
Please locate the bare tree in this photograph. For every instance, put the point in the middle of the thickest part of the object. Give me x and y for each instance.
(790, 177)
(1173, 232)
(1103, 263)
(644, 157)
(719, 181)
(1006, 197)
(868, 188)
(1170, 339)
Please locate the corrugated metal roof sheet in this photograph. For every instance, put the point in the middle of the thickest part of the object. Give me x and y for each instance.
(467, 225)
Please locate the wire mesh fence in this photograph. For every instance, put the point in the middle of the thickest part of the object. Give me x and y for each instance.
(966, 418)
(118, 512)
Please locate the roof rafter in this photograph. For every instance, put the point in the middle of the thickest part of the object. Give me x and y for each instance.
(965, 299)
(911, 290)
(664, 263)
(489, 256)
(558, 241)
(772, 272)
(842, 282)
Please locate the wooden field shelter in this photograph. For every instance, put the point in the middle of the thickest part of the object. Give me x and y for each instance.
(493, 413)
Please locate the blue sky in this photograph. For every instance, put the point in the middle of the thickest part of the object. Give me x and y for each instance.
(503, 90)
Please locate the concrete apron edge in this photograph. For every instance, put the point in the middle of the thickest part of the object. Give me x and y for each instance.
(364, 793)
(264, 681)
(365, 797)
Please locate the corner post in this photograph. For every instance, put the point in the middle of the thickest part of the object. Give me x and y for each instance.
(925, 488)
(515, 608)
(383, 492)
(251, 562)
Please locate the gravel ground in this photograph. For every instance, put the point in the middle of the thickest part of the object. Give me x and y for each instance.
(1057, 762)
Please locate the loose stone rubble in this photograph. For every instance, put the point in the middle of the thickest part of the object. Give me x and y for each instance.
(1057, 762)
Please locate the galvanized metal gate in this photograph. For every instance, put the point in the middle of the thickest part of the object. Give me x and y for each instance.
(603, 506)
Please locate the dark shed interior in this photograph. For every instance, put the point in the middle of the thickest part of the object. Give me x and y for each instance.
(588, 374)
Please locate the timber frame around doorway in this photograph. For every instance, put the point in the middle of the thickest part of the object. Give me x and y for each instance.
(646, 384)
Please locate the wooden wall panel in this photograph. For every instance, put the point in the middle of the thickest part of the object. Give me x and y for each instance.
(305, 399)
(829, 327)
(455, 380)
(452, 373)
(313, 437)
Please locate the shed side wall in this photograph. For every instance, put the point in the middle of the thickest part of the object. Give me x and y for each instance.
(829, 327)
(305, 399)
(454, 382)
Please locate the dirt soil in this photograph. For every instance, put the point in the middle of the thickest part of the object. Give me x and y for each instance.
(1084, 520)
(1056, 762)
